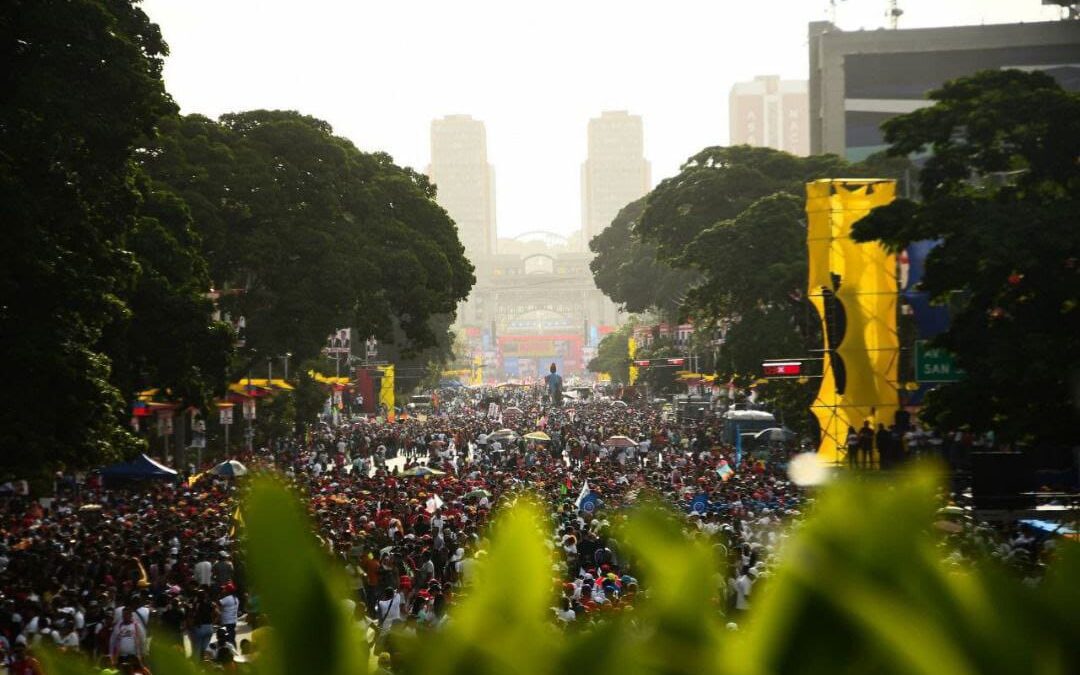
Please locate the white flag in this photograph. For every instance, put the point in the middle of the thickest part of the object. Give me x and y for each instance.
(584, 493)
(434, 503)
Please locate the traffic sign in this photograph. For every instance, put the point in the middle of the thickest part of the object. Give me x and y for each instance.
(934, 364)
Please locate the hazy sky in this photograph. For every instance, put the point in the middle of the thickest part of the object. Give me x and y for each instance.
(535, 73)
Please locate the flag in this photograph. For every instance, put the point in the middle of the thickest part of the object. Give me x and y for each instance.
(195, 478)
(434, 503)
(584, 493)
(700, 503)
(589, 503)
(238, 522)
(724, 470)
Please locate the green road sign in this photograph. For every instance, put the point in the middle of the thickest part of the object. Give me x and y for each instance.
(933, 364)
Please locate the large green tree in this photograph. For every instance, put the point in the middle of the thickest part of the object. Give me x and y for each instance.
(170, 341)
(318, 234)
(718, 184)
(80, 85)
(629, 272)
(612, 356)
(1001, 192)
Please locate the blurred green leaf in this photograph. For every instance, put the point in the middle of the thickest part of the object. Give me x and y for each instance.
(504, 623)
(681, 601)
(863, 588)
(301, 590)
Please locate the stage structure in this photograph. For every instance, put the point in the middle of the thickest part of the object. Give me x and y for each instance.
(854, 288)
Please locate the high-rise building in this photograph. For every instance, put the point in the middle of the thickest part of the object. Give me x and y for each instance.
(772, 113)
(615, 173)
(860, 79)
(465, 181)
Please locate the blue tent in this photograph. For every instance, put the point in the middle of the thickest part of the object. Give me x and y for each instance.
(140, 468)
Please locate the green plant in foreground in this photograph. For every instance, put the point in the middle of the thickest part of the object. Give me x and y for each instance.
(862, 589)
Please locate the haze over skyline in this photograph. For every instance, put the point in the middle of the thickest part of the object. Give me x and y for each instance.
(381, 72)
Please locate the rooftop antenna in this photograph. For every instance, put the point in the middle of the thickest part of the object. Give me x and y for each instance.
(832, 11)
(893, 14)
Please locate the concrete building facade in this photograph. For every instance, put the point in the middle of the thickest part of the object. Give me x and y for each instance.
(770, 112)
(465, 181)
(860, 79)
(535, 303)
(616, 171)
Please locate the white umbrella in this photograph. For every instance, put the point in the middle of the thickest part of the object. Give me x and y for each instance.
(229, 467)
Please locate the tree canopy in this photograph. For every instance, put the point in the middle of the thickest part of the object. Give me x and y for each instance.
(318, 234)
(1001, 193)
(80, 85)
(612, 356)
(120, 215)
(628, 270)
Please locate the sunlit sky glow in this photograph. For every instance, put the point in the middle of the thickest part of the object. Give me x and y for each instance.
(535, 73)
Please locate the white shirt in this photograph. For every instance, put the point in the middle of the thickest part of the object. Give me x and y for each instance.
(389, 610)
(743, 585)
(202, 573)
(230, 607)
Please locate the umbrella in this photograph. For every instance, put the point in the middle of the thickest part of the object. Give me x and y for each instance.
(774, 434)
(502, 435)
(951, 510)
(477, 493)
(423, 471)
(229, 467)
(538, 436)
(949, 526)
(620, 442)
(620, 403)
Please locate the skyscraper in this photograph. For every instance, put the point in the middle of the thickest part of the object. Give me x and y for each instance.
(770, 112)
(615, 173)
(465, 181)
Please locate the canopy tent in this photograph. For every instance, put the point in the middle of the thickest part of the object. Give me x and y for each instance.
(140, 468)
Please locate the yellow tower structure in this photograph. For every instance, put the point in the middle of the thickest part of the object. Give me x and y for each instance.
(854, 288)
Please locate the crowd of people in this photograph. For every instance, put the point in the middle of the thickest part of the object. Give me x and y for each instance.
(404, 505)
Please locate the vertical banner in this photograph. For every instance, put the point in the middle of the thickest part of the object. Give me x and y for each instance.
(631, 351)
(249, 408)
(854, 289)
